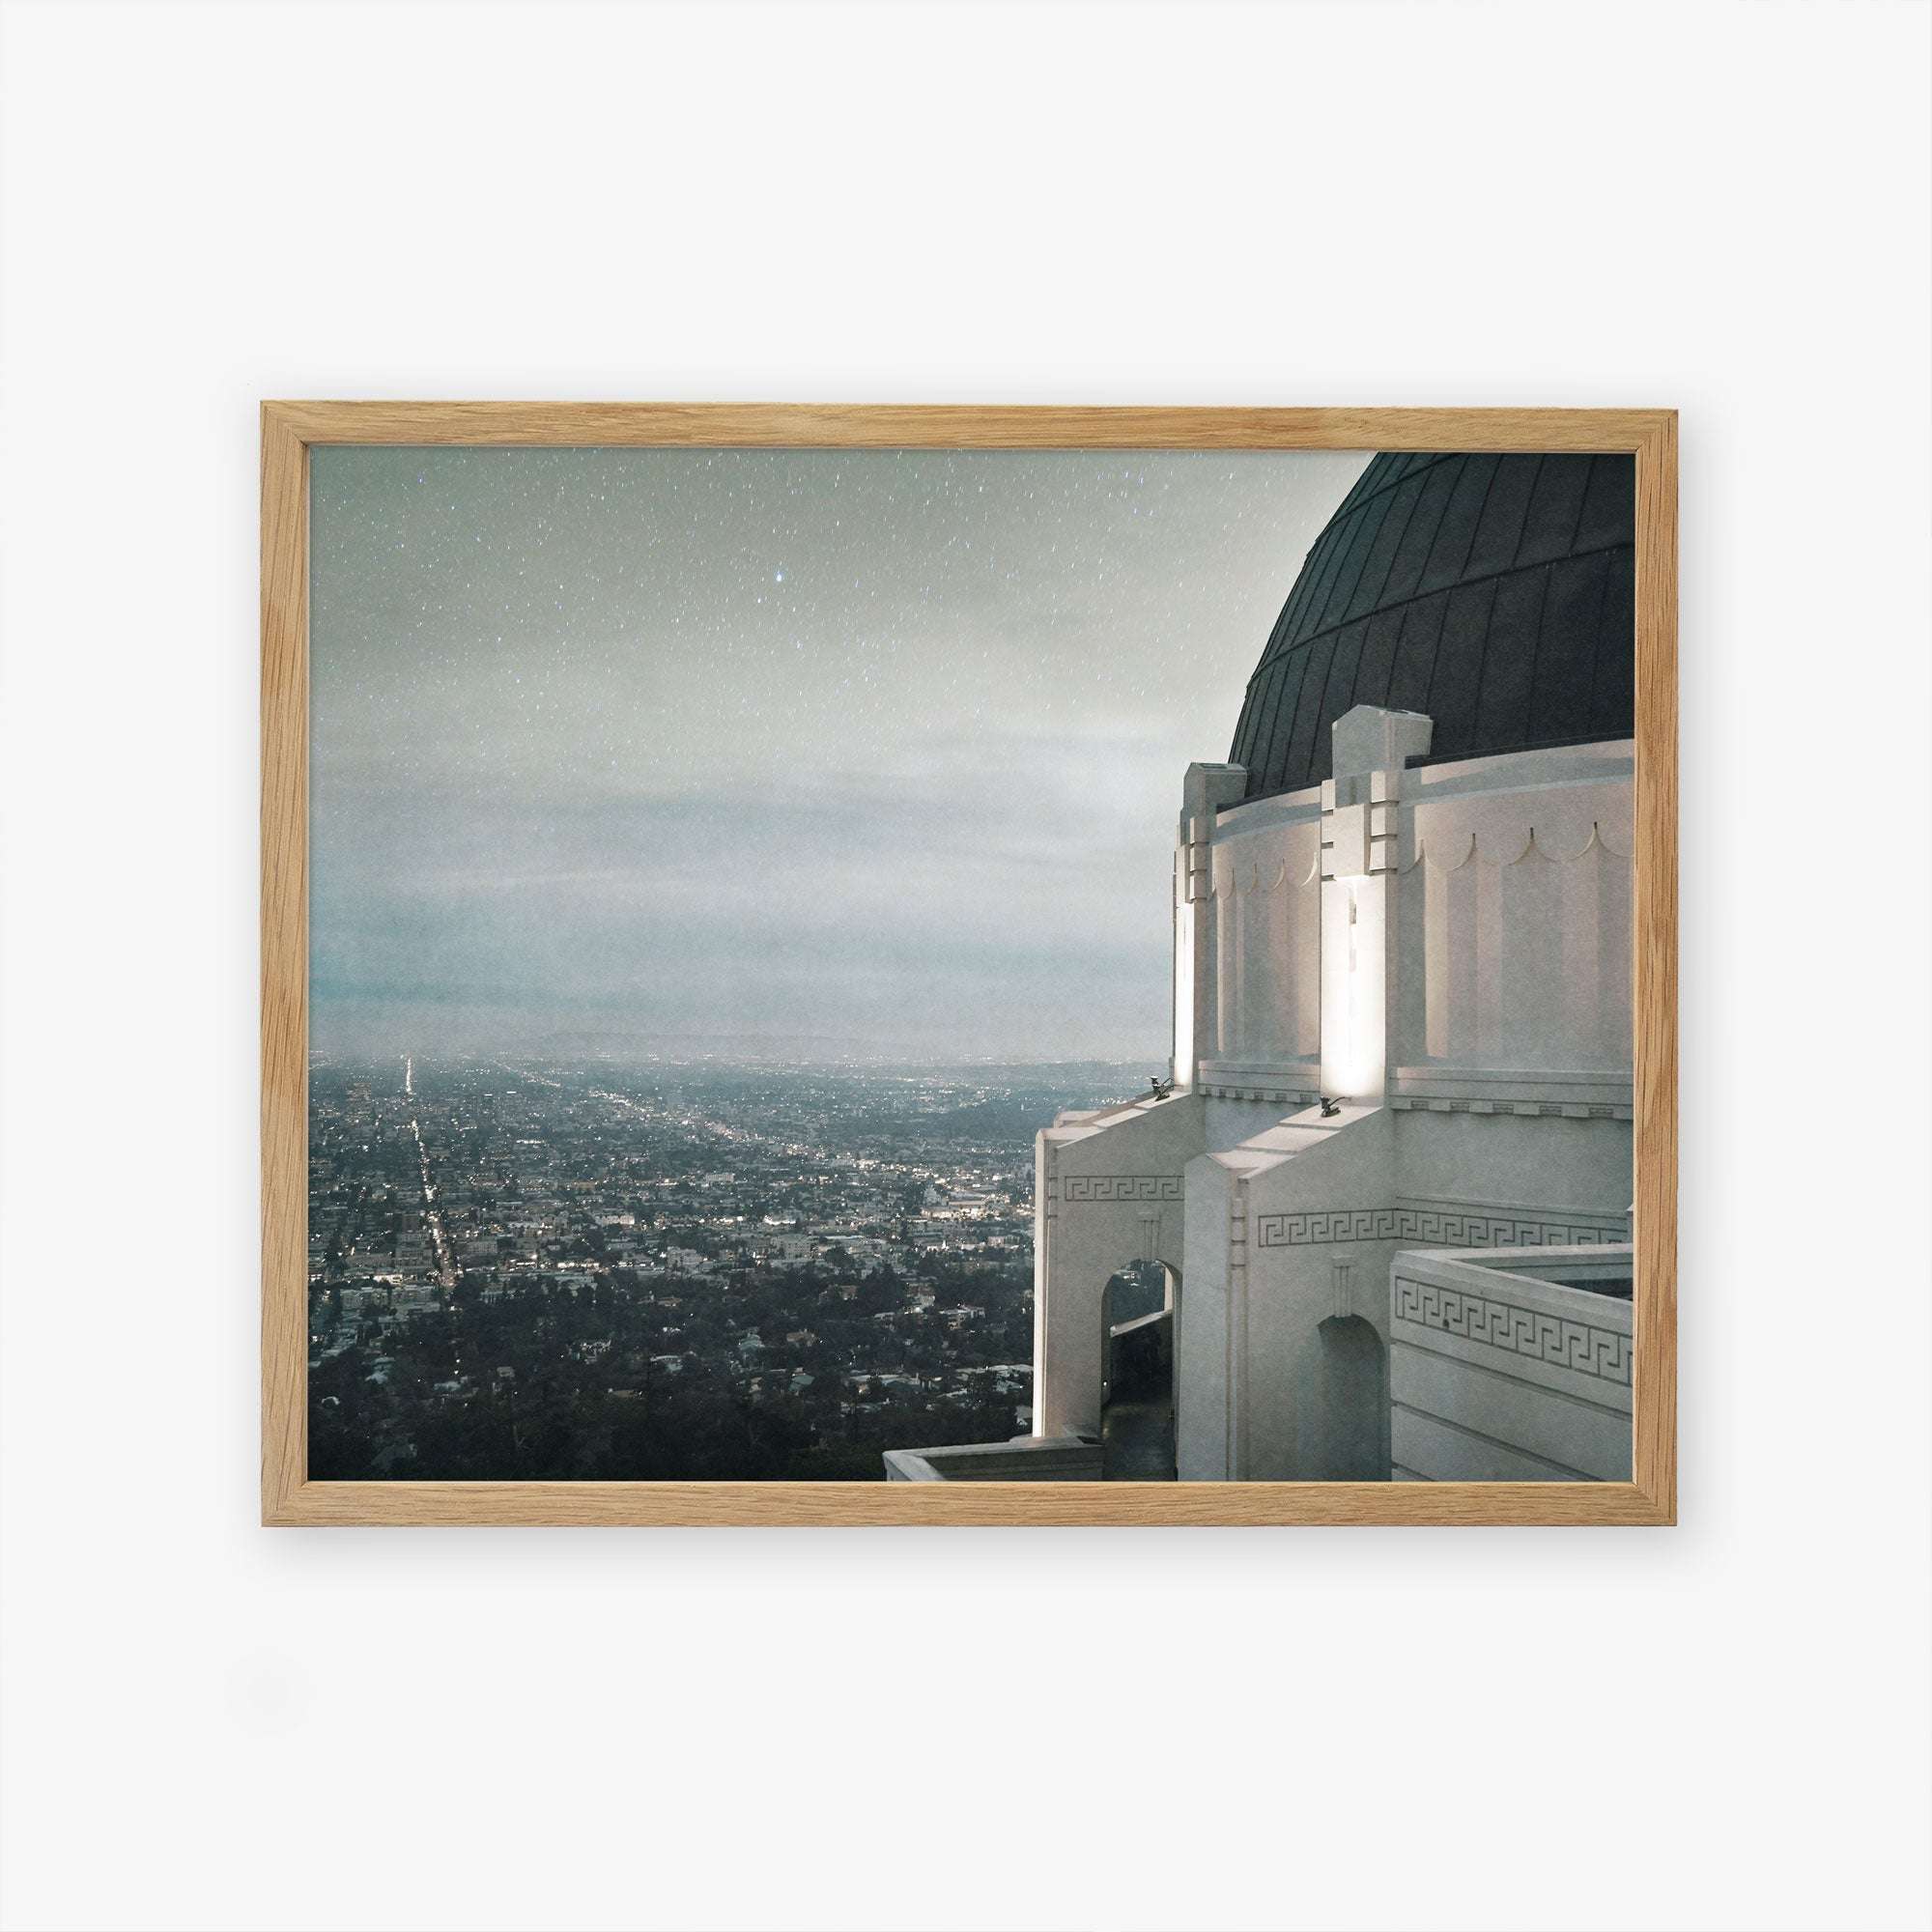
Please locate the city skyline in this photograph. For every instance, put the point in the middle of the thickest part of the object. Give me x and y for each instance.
(820, 755)
(531, 1268)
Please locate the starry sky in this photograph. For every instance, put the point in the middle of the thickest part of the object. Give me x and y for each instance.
(820, 755)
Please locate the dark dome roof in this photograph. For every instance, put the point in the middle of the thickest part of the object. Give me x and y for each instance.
(1494, 592)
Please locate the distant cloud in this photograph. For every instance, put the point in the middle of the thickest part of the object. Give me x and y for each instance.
(583, 762)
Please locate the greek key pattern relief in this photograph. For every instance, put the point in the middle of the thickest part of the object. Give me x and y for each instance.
(1121, 1188)
(1601, 1352)
(1431, 1227)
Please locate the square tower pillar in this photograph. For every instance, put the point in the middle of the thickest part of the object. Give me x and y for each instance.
(1360, 844)
(1206, 791)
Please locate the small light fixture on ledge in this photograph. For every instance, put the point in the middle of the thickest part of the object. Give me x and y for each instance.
(1330, 1108)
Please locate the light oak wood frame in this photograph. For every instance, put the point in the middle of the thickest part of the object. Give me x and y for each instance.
(291, 429)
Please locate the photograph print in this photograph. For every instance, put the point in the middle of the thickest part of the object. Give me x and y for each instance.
(941, 966)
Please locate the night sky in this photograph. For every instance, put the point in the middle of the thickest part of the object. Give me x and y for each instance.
(826, 754)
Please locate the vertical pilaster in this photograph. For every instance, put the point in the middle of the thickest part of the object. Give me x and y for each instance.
(1206, 791)
(1046, 1213)
(1237, 1330)
(1360, 845)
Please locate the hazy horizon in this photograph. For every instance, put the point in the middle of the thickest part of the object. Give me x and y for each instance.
(878, 751)
(559, 1055)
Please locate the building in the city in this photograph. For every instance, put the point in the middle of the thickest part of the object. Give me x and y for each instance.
(1388, 1189)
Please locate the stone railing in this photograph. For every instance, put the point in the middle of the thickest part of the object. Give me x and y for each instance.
(1510, 1365)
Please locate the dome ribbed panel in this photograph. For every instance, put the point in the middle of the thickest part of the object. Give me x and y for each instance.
(1495, 593)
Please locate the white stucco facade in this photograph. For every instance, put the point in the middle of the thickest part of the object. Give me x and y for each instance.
(1510, 1365)
(1442, 952)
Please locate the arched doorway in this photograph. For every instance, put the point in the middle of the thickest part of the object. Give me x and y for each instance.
(1342, 1405)
(1138, 1288)
(1137, 1374)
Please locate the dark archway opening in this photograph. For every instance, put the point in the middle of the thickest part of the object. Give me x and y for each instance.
(1342, 1405)
(1137, 1375)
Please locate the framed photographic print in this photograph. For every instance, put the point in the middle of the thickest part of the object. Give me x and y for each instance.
(956, 965)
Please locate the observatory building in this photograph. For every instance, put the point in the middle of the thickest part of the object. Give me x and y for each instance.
(1384, 1201)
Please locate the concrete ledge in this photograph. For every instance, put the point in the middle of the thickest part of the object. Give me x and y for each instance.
(1026, 1459)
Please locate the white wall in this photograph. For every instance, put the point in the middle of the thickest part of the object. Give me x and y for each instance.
(213, 1727)
(1503, 1368)
(1514, 925)
(1268, 948)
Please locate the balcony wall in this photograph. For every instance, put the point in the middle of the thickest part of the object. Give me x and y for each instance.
(1026, 1459)
(1512, 1367)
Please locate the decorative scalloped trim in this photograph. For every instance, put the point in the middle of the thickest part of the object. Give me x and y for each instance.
(1244, 875)
(1531, 845)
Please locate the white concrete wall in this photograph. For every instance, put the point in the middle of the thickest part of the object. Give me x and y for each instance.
(1513, 962)
(1552, 1169)
(1271, 1251)
(1108, 1191)
(1203, 1333)
(1464, 932)
(1499, 1374)
(1276, 1246)
(1267, 994)
(1506, 929)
